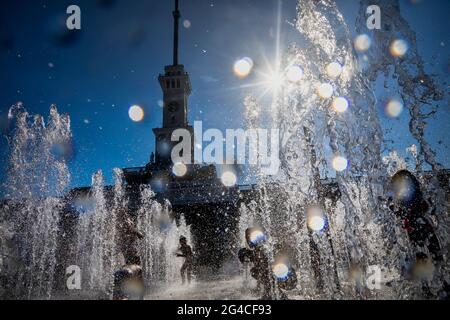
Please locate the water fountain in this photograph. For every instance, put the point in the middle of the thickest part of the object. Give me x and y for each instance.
(96, 236)
(37, 178)
(334, 237)
(151, 224)
(319, 143)
(31, 224)
(161, 240)
(420, 92)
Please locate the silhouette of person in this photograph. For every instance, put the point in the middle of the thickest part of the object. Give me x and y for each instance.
(414, 211)
(129, 283)
(152, 158)
(185, 251)
(128, 234)
(265, 276)
(258, 256)
(128, 280)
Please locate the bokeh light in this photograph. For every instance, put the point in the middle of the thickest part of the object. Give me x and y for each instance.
(334, 70)
(62, 150)
(187, 24)
(179, 169)
(340, 163)
(257, 237)
(136, 113)
(133, 288)
(399, 48)
(403, 188)
(316, 219)
(394, 108)
(281, 271)
(355, 273)
(423, 269)
(165, 148)
(325, 90)
(316, 223)
(294, 73)
(362, 43)
(243, 67)
(229, 179)
(340, 104)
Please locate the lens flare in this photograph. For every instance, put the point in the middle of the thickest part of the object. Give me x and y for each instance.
(325, 91)
(340, 163)
(136, 113)
(334, 70)
(281, 271)
(294, 73)
(275, 81)
(399, 48)
(229, 179)
(362, 43)
(340, 104)
(179, 169)
(394, 108)
(243, 67)
(316, 219)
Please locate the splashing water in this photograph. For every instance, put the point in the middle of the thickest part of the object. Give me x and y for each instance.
(151, 225)
(37, 177)
(31, 226)
(419, 92)
(96, 236)
(35, 168)
(358, 229)
(161, 241)
(361, 231)
(171, 245)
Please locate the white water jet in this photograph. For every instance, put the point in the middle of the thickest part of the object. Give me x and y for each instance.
(362, 231)
(151, 223)
(97, 252)
(162, 233)
(37, 177)
(421, 93)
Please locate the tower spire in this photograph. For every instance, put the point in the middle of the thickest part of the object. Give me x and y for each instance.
(176, 18)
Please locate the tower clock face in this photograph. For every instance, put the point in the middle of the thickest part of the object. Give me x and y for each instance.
(173, 107)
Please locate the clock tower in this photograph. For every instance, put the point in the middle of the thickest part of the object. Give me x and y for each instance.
(176, 87)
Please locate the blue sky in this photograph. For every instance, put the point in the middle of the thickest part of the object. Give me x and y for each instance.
(115, 60)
